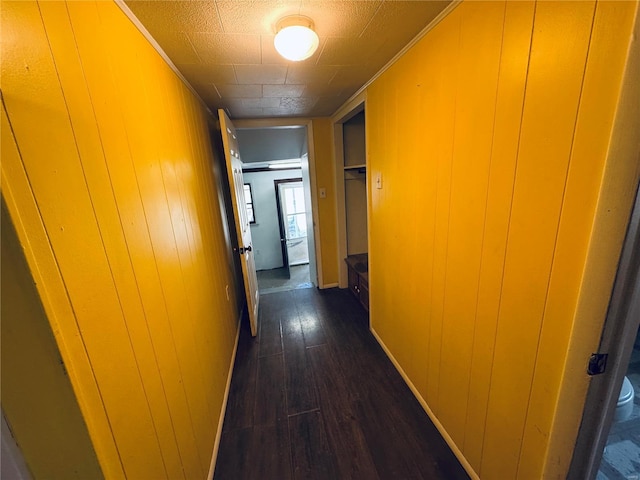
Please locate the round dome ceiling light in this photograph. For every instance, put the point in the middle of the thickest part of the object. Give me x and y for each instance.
(295, 39)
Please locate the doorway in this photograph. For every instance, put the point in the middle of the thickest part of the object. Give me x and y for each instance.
(353, 196)
(608, 445)
(622, 448)
(278, 169)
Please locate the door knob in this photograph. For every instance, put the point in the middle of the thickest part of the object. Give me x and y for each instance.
(241, 250)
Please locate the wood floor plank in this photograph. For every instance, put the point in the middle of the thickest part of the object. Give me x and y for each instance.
(269, 326)
(310, 317)
(232, 462)
(299, 381)
(311, 456)
(269, 401)
(270, 455)
(390, 453)
(385, 384)
(353, 458)
(290, 326)
(239, 414)
(355, 416)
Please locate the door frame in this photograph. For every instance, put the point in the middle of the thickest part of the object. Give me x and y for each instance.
(346, 113)
(315, 271)
(618, 337)
(623, 313)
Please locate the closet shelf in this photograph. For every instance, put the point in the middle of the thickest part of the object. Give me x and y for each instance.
(355, 167)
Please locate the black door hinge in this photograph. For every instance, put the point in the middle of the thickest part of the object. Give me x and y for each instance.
(597, 363)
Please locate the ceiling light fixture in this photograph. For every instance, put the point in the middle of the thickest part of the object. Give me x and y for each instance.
(295, 39)
(284, 165)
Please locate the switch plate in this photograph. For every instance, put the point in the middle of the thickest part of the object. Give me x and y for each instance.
(323, 192)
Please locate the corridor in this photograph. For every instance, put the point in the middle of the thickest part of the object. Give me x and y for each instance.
(315, 397)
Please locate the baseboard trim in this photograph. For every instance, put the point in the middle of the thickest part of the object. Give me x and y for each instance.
(216, 445)
(454, 448)
(328, 285)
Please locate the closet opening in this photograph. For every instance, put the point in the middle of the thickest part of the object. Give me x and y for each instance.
(352, 187)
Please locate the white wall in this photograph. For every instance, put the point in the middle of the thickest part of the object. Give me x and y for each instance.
(265, 233)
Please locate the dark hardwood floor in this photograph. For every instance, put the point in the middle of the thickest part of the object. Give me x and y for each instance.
(315, 397)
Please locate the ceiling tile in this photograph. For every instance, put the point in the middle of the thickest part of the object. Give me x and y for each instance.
(286, 112)
(340, 19)
(226, 49)
(260, 102)
(272, 74)
(240, 91)
(328, 105)
(177, 46)
(298, 102)
(177, 16)
(255, 17)
(209, 93)
(320, 90)
(239, 111)
(282, 90)
(308, 73)
(400, 21)
(351, 78)
(349, 51)
(200, 73)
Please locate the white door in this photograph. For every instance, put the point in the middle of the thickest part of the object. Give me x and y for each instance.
(236, 184)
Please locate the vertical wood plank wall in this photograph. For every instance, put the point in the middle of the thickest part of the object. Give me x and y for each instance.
(110, 186)
(59, 447)
(491, 135)
(325, 174)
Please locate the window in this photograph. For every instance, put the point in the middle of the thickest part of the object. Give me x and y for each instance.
(248, 200)
(295, 211)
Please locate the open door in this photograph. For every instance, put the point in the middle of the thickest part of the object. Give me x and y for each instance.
(236, 184)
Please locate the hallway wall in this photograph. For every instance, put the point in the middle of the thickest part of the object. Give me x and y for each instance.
(107, 173)
(327, 213)
(491, 135)
(36, 393)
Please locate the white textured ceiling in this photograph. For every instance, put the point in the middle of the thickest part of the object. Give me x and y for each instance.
(224, 48)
